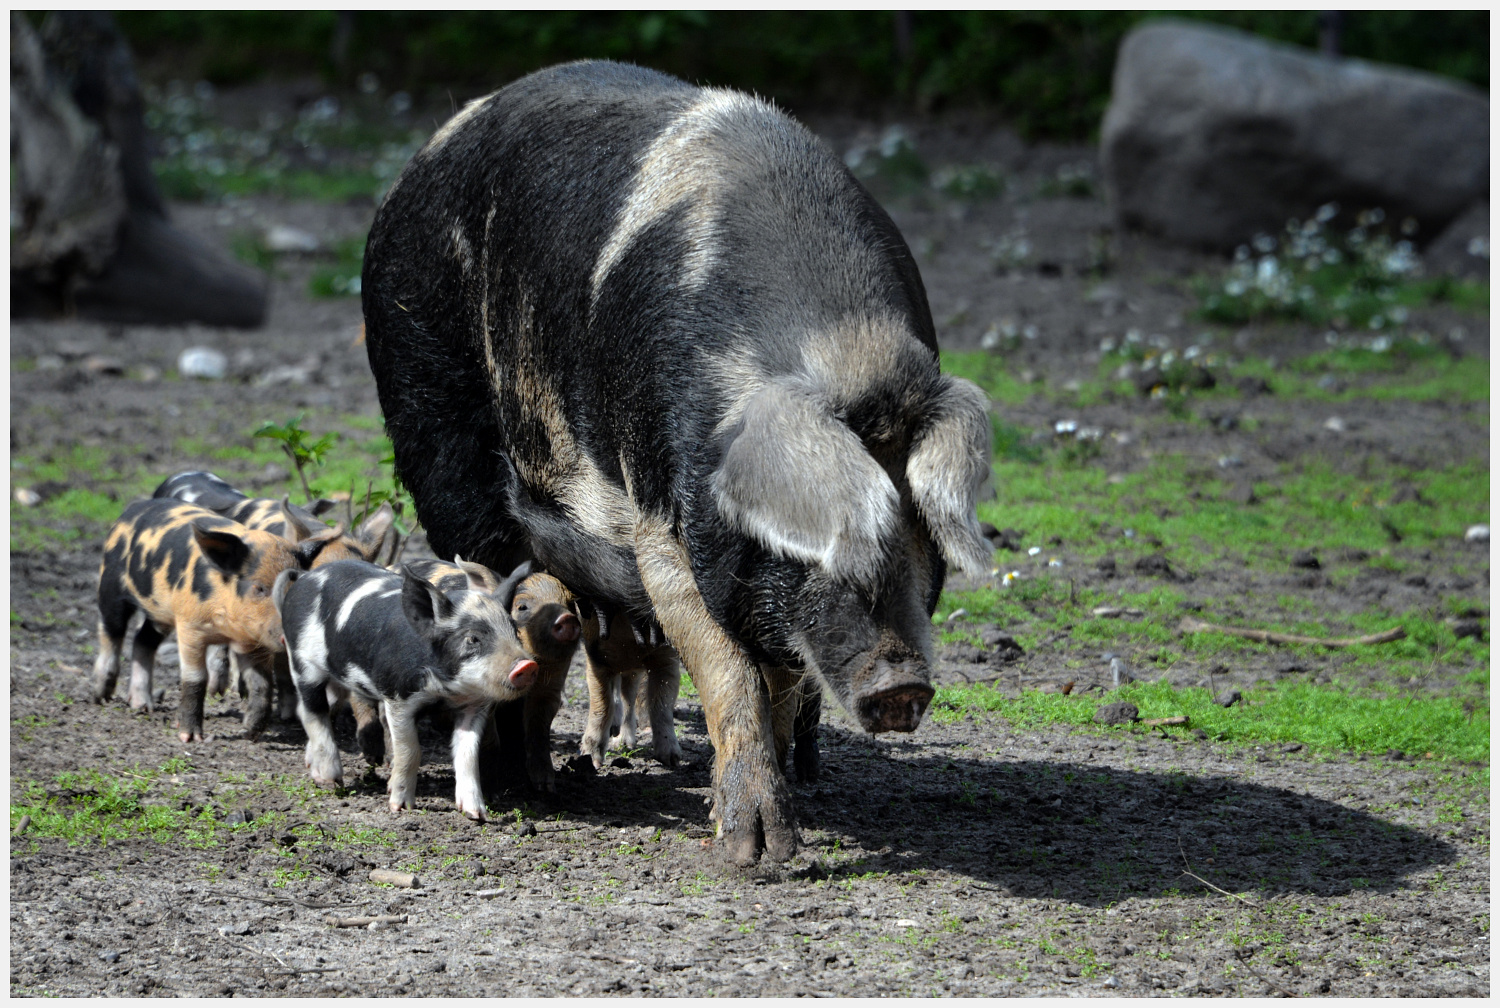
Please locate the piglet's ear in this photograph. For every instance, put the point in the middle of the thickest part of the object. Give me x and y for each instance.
(284, 580)
(375, 530)
(481, 578)
(321, 506)
(425, 606)
(225, 550)
(506, 590)
(301, 522)
(948, 463)
(798, 481)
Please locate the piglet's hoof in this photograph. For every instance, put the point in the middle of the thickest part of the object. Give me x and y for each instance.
(191, 736)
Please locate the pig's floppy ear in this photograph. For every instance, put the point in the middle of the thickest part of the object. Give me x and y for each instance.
(302, 523)
(948, 463)
(798, 481)
(284, 580)
(224, 550)
(425, 606)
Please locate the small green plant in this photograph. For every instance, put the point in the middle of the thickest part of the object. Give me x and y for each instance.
(296, 443)
(1073, 180)
(969, 182)
(342, 279)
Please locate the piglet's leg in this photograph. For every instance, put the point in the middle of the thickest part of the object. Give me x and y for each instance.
(602, 681)
(190, 653)
(286, 693)
(106, 665)
(406, 755)
(142, 663)
(322, 751)
(368, 729)
(218, 670)
(468, 729)
(663, 676)
(254, 672)
(541, 706)
(622, 720)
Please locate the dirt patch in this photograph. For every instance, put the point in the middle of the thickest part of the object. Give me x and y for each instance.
(972, 858)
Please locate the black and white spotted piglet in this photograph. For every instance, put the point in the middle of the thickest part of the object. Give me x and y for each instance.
(395, 640)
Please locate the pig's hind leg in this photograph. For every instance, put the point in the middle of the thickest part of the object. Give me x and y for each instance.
(142, 664)
(194, 683)
(115, 610)
(622, 722)
(468, 729)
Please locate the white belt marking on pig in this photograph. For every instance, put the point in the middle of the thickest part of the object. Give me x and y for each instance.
(357, 677)
(686, 163)
(364, 591)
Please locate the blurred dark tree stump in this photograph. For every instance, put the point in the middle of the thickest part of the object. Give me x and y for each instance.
(89, 229)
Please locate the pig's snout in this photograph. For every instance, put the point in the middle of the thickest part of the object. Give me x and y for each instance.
(523, 674)
(894, 698)
(565, 629)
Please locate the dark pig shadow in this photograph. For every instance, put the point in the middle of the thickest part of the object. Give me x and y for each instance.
(1071, 830)
(1096, 834)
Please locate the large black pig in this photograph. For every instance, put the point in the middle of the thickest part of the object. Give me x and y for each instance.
(657, 338)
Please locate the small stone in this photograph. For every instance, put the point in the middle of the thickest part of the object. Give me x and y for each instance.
(100, 364)
(1229, 698)
(1106, 566)
(1119, 673)
(282, 238)
(1477, 533)
(1396, 755)
(1468, 628)
(1293, 747)
(237, 928)
(646, 834)
(621, 763)
(202, 362)
(27, 497)
(1117, 713)
(111, 956)
(1200, 734)
(1335, 424)
(1241, 492)
(529, 829)
(581, 764)
(1306, 559)
(239, 817)
(1155, 565)
(287, 840)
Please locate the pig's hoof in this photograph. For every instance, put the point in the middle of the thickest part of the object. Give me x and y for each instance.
(755, 812)
(898, 709)
(191, 736)
(669, 755)
(142, 706)
(473, 807)
(328, 782)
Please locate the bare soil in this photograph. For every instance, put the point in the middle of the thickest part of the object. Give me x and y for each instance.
(967, 859)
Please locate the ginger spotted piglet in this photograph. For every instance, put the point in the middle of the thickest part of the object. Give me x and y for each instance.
(195, 573)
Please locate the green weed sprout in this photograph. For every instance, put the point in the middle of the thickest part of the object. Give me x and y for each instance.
(294, 441)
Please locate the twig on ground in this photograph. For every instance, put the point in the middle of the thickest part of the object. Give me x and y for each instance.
(1191, 625)
(282, 900)
(1180, 719)
(1187, 870)
(359, 922)
(1245, 961)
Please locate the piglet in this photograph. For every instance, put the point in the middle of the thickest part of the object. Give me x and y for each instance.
(355, 629)
(194, 572)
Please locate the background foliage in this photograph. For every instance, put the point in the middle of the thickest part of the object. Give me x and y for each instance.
(1047, 72)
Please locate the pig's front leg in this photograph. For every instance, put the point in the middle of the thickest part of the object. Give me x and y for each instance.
(218, 670)
(601, 681)
(194, 683)
(541, 707)
(406, 754)
(753, 803)
(312, 708)
(663, 676)
(254, 673)
(468, 730)
(286, 692)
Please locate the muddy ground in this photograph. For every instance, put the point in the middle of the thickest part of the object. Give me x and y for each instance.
(970, 858)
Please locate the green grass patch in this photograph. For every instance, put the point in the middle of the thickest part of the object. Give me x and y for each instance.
(1319, 717)
(1313, 507)
(90, 807)
(990, 372)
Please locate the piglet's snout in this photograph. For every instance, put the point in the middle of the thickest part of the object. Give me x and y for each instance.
(565, 628)
(523, 674)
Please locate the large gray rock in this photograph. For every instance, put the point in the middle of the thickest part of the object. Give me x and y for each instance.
(1463, 249)
(1213, 135)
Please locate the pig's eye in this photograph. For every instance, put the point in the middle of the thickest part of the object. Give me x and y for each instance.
(471, 641)
(258, 591)
(523, 610)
